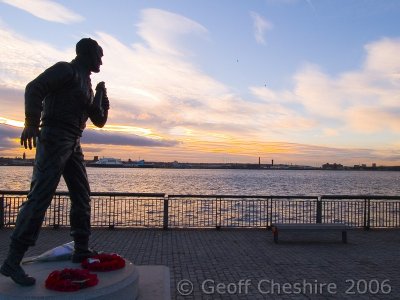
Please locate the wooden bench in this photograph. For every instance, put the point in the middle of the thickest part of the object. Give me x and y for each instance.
(278, 227)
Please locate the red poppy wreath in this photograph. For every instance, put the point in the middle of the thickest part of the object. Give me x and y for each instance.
(104, 262)
(70, 280)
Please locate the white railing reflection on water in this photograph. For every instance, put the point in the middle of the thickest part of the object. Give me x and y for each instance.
(214, 211)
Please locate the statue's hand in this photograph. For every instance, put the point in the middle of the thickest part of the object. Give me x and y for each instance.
(105, 102)
(28, 136)
(101, 86)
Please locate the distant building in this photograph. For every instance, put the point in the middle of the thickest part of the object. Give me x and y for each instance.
(333, 166)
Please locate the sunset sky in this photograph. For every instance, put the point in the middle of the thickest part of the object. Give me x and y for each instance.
(297, 81)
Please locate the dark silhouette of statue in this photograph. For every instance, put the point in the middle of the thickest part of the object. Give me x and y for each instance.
(59, 102)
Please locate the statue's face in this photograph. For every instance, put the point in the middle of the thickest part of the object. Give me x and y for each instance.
(96, 62)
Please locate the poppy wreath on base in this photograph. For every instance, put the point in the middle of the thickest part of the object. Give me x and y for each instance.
(70, 280)
(104, 262)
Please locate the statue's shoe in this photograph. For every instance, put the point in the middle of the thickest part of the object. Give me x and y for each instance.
(80, 256)
(17, 274)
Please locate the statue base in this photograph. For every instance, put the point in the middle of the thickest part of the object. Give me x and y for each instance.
(122, 284)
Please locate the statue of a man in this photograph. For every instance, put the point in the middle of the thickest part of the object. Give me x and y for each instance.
(59, 101)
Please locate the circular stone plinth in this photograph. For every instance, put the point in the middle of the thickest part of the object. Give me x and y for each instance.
(119, 284)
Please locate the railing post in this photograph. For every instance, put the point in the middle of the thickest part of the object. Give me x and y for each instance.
(319, 210)
(2, 211)
(272, 216)
(218, 216)
(56, 207)
(111, 223)
(367, 214)
(267, 210)
(166, 212)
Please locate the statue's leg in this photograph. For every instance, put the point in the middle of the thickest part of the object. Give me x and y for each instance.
(46, 176)
(51, 154)
(76, 179)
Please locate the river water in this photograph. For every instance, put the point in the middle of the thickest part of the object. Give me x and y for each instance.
(221, 181)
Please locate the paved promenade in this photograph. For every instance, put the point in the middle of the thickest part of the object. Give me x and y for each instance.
(246, 264)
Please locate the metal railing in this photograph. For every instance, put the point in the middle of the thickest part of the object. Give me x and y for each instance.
(238, 210)
(159, 210)
(362, 211)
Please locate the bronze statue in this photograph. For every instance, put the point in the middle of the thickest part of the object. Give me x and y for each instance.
(59, 102)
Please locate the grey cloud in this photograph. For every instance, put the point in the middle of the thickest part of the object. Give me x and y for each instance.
(6, 134)
(9, 131)
(113, 138)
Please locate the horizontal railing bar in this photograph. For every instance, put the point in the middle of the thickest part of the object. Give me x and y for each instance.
(360, 197)
(127, 194)
(121, 194)
(244, 196)
(64, 193)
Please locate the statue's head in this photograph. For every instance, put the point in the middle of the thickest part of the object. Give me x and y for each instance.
(90, 53)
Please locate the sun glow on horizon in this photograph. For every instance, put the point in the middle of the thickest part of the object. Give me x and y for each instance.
(125, 129)
(10, 122)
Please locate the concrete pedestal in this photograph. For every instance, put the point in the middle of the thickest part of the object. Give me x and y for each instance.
(130, 283)
(154, 282)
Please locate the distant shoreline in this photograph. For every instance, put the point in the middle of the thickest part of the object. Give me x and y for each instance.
(216, 166)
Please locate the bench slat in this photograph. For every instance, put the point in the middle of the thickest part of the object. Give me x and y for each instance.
(310, 226)
(307, 226)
